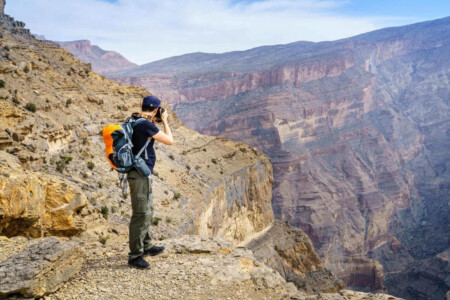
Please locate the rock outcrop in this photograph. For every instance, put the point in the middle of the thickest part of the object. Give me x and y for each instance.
(33, 204)
(40, 269)
(356, 129)
(289, 251)
(102, 61)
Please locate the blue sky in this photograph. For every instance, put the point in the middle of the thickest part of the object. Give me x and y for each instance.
(148, 30)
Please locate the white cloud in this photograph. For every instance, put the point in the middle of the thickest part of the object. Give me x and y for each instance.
(148, 30)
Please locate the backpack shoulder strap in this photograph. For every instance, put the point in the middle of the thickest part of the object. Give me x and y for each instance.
(143, 148)
(135, 122)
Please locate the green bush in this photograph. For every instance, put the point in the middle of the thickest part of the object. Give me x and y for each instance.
(100, 184)
(171, 157)
(90, 165)
(26, 69)
(68, 102)
(155, 221)
(15, 100)
(30, 107)
(60, 166)
(176, 196)
(2, 83)
(66, 159)
(103, 239)
(105, 212)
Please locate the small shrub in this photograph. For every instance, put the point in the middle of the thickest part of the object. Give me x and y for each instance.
(2, 83)
(85, 140)
(168, 220)
(188, 167)
(15, 100)
(162, 237)
(214, 161)
(176, 196)
(62, 58)
(6, 48)
(172, 170)
(103, 239)
(30, 107)
(171, 157)
(204, 149)
(68, 102)
(166, 192)
(26, 69)
(114, 209)
(66, 159)
(100, 184)
(60, 166)
(90, 165)
(105, 212)
(155, 221)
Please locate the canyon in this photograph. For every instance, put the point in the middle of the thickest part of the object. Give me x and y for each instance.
(64, 221)
(358, 133)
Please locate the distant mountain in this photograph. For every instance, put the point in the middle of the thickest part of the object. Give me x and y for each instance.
(358, 132)
(102, 61)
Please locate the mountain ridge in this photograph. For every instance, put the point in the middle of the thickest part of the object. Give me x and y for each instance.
(102, 61)
(357, 131)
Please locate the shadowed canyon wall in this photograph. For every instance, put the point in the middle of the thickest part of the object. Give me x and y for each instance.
(358, 132)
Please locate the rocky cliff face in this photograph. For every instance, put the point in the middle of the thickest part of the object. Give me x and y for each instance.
(357, 131)
(102, 61)
(55, 180)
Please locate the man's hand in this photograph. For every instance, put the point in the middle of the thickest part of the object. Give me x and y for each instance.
(164, 116)
(166, 136)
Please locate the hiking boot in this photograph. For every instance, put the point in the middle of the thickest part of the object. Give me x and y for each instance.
(154, 250)
(139, 263)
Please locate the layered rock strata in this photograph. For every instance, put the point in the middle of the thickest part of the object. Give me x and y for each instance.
(102, 61)
(289, 251)
(40, 269)
(33, 203)
(357, 131)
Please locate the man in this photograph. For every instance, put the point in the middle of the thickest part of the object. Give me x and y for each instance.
(141, 187)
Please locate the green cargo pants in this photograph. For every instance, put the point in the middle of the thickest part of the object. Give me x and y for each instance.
(142, 207)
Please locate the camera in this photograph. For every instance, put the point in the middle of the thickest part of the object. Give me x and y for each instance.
(159, 112)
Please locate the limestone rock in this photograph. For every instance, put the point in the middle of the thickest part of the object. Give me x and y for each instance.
(290, 252)
(40, 269)
(239, 206)
(34, 204)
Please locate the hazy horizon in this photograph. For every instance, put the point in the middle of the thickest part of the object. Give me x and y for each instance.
(148, 31)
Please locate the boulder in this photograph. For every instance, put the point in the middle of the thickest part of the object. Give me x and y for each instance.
(40, 269)
(33, 203)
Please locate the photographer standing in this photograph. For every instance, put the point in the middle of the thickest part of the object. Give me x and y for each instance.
(140, 186)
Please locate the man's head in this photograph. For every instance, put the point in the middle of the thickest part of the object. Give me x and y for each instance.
(149, 103)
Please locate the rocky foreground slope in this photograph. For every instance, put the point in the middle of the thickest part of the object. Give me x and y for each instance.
(64, 224)
(358, 134)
